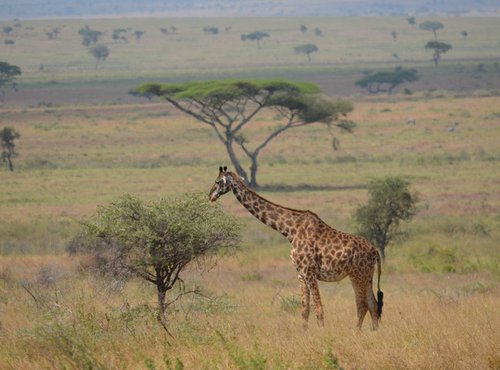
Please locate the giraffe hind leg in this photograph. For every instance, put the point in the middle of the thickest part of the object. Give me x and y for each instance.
(372, 306)
(361, 300)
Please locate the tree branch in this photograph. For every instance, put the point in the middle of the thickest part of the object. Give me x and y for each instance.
(188, 111)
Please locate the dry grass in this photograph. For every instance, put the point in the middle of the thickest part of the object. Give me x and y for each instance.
(63, 71)
(429, 322)
(54, 315)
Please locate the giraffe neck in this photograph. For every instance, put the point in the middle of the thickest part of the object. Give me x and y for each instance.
(280, 218)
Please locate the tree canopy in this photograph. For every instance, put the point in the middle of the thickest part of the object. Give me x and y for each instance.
(8, 74)
(433, 26)
(439, 48)
(155, 241)
(390, 203)
(255, 36)
(306, 49)
(386, 81)
(7, 137)
(100, 53)
(89, 36)
(228, 106)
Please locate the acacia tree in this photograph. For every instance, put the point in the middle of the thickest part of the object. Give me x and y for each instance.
(138, 34)
(228, 107)
(306, 49)
(7, 30)
(100, 53)
(7, 137)
(433, 26)
(386, 81)
(439, 48)
(390, 203)
(255, 36)
(8, 74)
(89, 36)
(156, 241)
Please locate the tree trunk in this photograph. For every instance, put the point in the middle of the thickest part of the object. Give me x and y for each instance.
(11, 166)
(161, 307)
(234, 160)
(382, 253)
(435, 57)
(253, 173)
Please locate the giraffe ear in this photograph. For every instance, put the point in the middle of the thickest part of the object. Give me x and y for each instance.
(225, 168)
(220, 168)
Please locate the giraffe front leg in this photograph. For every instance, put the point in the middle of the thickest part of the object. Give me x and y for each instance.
(312, 284)
(305, 296)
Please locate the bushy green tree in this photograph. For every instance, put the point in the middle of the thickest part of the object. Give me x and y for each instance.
(8, 74)
(100, 53)
(155, 241)
(7, 30)
(386, 81)
(390, 203)
(89, 36)
(229, 106)
(438, 48)
(138, 34)
(318, 32)
(255, 36)
(7, 137)
(306, 49)
(211, 30)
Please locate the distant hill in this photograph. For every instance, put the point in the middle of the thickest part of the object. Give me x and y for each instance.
(26, 9)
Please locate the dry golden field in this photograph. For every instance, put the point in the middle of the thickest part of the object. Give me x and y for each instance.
(84, 143)
(440, 283)
(444, 321)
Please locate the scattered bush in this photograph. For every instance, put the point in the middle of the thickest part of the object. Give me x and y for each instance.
(390, 203)
(290, 304)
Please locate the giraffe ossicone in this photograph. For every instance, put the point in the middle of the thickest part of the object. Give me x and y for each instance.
(319, 252)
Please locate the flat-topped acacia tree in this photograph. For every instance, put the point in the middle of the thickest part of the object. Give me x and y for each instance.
(229, 106)
(387, 80)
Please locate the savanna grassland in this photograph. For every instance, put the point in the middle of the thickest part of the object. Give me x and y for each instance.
(84, 142)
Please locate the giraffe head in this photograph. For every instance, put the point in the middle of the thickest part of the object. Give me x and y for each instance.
(222, 184)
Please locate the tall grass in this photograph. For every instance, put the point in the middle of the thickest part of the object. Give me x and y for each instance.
(430, 321)
(440, 280)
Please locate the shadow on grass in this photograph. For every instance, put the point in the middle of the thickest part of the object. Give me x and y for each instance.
(276, 188)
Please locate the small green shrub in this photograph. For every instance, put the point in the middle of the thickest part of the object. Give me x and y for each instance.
(252, 276)
(441, 259)
(330, 361)
(290, 304)
(242, 358)
(210, 305)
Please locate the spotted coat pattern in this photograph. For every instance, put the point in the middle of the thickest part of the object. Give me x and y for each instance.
(319, 252)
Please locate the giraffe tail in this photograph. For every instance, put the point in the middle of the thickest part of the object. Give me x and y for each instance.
(380, 294)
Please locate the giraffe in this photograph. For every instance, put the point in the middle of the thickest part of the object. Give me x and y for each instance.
(319, 252)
